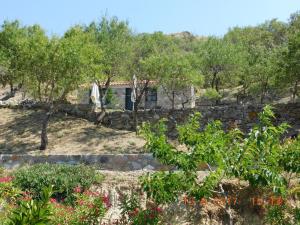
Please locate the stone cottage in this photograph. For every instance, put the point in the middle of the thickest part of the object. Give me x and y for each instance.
(155, 97)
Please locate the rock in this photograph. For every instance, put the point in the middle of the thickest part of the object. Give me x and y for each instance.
(148, 167)
(136, 166)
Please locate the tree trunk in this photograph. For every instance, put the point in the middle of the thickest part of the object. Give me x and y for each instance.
(213, 80)
(173, 100)
(44, 136)
(262, 95)
(295, 91)
(12, 90)
(136, 105)
(102, 114)
(217, 89)
(146, 94)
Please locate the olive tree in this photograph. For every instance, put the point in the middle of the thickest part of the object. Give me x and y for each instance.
(257, 54)
(176, 75)
(216, 59)
(146, 64)
(13, 39)
(113, 37)
(290, 56)
(58, 66)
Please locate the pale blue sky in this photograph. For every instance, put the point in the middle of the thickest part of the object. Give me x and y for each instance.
(202, 17)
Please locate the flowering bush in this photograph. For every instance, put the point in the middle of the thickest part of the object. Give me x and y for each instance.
(63, 178)
(88, 209)
(9, 195)
(30, 211)
(133, 214)
(31, 206)
(6, 179)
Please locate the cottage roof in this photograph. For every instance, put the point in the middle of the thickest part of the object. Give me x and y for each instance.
(122, 83)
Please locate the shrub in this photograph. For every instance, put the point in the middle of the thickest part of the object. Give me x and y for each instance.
(259, 157)
(212, 94)
(291, 156)
(63, 178)
(133, 214)
(31, 211)
(89, 208)
(9, 196)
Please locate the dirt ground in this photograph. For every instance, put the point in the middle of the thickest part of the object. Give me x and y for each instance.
(20, 133)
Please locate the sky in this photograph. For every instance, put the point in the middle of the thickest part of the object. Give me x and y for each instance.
(200, 17)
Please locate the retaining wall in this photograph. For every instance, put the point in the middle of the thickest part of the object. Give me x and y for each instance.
(120, 162)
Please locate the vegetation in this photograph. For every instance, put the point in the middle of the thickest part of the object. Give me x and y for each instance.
(114, 39)
(259, 157)
(63, 179)
(47, 203)
(260, 61)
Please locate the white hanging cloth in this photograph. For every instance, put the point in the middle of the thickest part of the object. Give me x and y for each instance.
(133, 92)
(95, 95)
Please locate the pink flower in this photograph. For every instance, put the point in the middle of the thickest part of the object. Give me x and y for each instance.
(77, 189)
(80, 202)
(53, 200)
(158, 209)
(105, 199)
(6, 179)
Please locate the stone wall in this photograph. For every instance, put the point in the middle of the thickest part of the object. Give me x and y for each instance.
(233, 115)
(243, 117)
(120, 162)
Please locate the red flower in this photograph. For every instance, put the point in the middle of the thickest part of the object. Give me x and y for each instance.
(159, 210)
(53, 200)
(105, 199)
(91, 205)
(6, 179)
(77, 189)
(80, 202)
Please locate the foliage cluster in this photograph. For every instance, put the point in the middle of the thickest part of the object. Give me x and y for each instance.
(260, 157)
(62, 177)
(44, 204)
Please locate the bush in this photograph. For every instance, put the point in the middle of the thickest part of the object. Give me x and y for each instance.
(291, 156)
(89, 208)
(63, 178)
(31, 211)
(212, 94)
(259, 157)
(132, 212)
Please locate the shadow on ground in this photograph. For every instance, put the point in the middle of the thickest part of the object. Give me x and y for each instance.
(20, 133)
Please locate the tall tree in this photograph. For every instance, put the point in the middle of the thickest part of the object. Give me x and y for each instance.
(146, 51)
(177, 75)
(291, 56)
(114, 39)
(57, 67)
(216, 59)
(258, 49)
(13, 39)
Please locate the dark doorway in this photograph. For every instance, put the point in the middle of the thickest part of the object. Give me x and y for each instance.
(150, 98)
(128, 102)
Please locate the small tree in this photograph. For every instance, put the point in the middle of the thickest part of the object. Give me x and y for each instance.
(114, 39)
(57, 67)
(13, 40)
(260, 158)
(177, 75)
(146, 63)
(216, 59)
